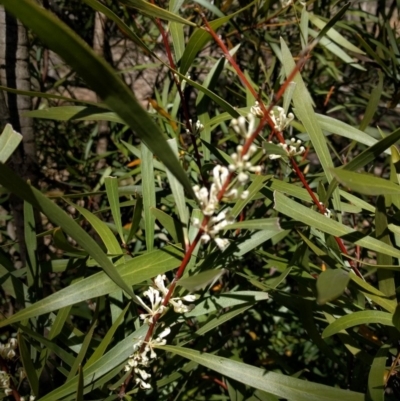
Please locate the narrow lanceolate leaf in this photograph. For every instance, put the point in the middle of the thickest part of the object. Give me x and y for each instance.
(304, 111)
(334, 34)
(376, 377)
(366, 184)
(9, 140)
(133, 272)
(340, 128)
(356, 319)
(29, 194)
(113, 199)
(178, 193)
(99, 76)
(283, 386)
(96, 5)
(331, 285)
(370, 154)
(27, 363)
(201, 37)
(314, 219)
(69, 113)
(149, 195)
(155, 11)
(386, 281)
(373, 103)
(112, 359)
(256, 224)
(104, 232)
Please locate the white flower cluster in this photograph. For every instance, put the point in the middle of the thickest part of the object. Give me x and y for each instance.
(214, 225)
(241, 164)
(156, 295)
(7, 351)
(139, 360)
(5, 383)
(240, 126)
(196, 128)
(31, 398)
(293, 148)
(280, 119)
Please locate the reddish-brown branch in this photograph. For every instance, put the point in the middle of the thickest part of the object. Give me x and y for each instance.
(266, 119)
(185, 107)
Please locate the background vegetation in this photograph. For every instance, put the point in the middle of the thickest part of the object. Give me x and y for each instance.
(302, 302)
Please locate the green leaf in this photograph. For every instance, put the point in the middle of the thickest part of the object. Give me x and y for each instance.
(370, 154)
(366, 184)
(106, 341)
(331, 284)
(96, 5)
(179, 194)
(201, 280)
(149, 195)
(376, 376)
(16, 185)
(257, 183)
(111, 184)
(314, 219)
(99, 76)
(256, 224)
(257, 239)
(338, 127)
(373, 103)
(104, 232)
(178, 39)
(304, 111)
(201, 37)
(168, 222)
(137, 216)
(356, 319)
(79, 113)
(9, 141)
(105, 365)
(334, 34)
(27, 363)
(155, 11)
(336, 50)
(283, 386)
(396, 318)
(227, 300)
(386, 282)
(82, 352)
(134, 271)
(223, 318)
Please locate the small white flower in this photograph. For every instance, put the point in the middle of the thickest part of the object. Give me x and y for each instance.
(8, 391)
(241, 164)
(156, 305)
(293, 148)
(13, 343)
(280, 119)
(244, 195)
(222, 243)
(179, 306)
(32, 398)
(196, 128)
(208, 201)
(159, 283)
(257, 110)
(239, 125)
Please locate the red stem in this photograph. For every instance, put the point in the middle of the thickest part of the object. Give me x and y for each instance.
(188, 124)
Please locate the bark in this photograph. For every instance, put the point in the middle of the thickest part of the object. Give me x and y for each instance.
(98, 47)
(14, 73)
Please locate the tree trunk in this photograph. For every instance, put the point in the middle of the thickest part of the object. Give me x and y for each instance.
(14, 73)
